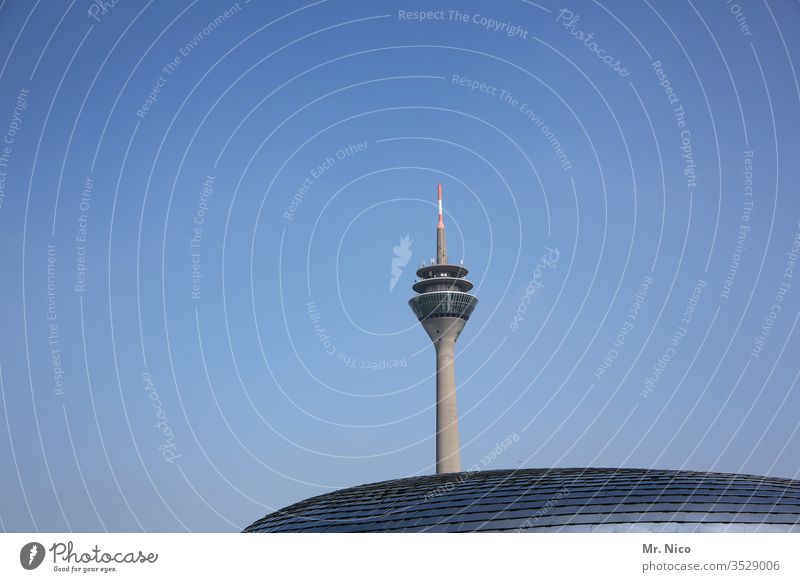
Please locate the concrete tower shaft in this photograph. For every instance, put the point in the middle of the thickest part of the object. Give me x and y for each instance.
(444, 332)
(443, 306)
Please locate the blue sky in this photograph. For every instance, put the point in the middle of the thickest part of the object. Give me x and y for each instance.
(200, 203)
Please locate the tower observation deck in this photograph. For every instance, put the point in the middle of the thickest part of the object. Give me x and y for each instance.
(443, 305)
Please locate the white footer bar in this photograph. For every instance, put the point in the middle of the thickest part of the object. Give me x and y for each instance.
(355, 557)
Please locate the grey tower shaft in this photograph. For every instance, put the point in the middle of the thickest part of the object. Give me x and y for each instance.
(444, 332)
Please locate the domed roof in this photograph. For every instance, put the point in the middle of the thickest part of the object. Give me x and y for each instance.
(570, 500)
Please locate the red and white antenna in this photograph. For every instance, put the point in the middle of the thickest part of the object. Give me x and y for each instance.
(441, 240)
(441, 222)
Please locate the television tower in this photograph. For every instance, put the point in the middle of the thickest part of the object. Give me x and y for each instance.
(443, 306)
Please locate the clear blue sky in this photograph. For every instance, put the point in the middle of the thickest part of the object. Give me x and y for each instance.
(198, 216)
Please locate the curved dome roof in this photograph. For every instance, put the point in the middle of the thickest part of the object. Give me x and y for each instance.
(570, 500)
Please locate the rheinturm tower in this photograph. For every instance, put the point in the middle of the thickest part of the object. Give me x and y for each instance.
(443, 305)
